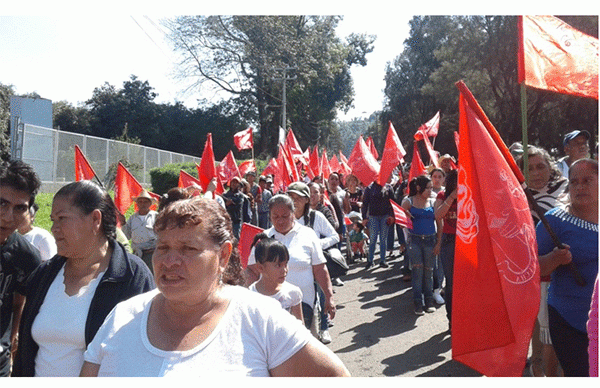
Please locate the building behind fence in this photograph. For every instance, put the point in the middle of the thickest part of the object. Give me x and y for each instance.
(52, 153)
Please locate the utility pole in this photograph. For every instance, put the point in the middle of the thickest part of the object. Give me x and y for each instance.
(284, 79)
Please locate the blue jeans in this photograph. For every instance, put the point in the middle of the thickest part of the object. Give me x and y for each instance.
(438, 273)
(378, 227)
(447, 258)
(420, 254)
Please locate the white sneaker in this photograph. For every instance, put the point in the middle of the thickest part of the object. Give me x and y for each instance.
(325, 337)
(337, 282)
(437, 297)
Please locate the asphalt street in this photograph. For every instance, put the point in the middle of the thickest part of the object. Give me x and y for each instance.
(376, 332)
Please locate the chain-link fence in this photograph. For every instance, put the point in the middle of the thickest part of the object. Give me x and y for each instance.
(52, 153)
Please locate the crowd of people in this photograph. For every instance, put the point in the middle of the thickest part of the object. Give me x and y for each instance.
(179, 301)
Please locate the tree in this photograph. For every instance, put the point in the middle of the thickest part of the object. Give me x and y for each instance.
(5, 92)
(68, 118)
(482, 51)
(243, 56)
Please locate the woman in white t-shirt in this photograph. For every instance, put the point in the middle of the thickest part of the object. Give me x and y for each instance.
(198, 322)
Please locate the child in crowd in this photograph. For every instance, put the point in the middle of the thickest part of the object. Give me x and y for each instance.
(357, 239)
(272, 262)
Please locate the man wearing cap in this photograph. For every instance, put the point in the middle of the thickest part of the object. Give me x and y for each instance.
(234, 203)
(140, 228)
(576, 146)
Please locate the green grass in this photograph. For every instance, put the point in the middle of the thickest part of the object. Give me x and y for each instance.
(44, 201)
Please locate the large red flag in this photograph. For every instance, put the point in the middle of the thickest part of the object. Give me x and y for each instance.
(401, 216)
(325, 167)
(496, 274)
(416, 165)
(371, 146)
(83, 168)
(126, 188)
(245, 245)
(207, 169)
(244, 140)
(228, 168)
(362, 162)
(393, 154)
(247, 166)
(555, 56)
(431, 127)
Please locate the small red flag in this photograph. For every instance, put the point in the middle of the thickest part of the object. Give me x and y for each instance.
(315, 162)
(126, 188)
(401, 216)
(187, 180)
(334, 164)
(274, 169)
(343, 159)
(555, 56)
(244, 140)
(456, 140)
(292, 145)
(325, 164)
(371, 146)
(393, 154)
(245, 245)
(247, 166)
(207, 169)
(362, 162)
(83, 168)
(495, 251)
(431, 127)
(228, 168)
(416, 165)
(420, 135)
(291, 164)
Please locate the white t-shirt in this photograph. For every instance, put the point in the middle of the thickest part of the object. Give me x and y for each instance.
(325, 231)
(254, 335)
(140, 229)
(59, 329)
(305, 251)
(43, 241)
(289, 295)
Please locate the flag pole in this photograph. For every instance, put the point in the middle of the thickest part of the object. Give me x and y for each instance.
(524, 130)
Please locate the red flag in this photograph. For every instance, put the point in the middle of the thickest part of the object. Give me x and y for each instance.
(325, 164)
(247, 166)
(83, 168)
(228, 168)
(401, 217)
(187, 180)
(555, 56)
(244, 140)
(207, 169)
(274, 169)
(371, 146)
(362, 162)
(291, 164)
(456, 140)
(343, 159)
(293, 146)
(334, 164)
(416, 165)
(315, 162)
(420, 135)
(393, 154)
(496, 273)
(126, 188)
(431, 127)
(245, 245)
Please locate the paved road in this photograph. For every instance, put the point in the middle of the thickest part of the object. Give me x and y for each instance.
(376, 332)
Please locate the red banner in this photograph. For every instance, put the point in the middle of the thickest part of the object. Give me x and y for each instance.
(244, 140)
(83, 168)
(555, 56)
(363, 163)
(228, 168)
(393, 154)
(126, 188)
(496, 274)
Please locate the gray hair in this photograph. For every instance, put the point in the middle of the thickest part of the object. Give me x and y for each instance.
(281, 199)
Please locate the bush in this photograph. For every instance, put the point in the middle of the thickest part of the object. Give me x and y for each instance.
(167, 177)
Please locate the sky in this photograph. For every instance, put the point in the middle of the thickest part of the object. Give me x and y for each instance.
(64, 57)
(64, 49)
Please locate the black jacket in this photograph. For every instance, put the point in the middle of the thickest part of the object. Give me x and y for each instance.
(126, 276)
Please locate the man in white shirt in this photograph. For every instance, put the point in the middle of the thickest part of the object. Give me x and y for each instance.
(140, 228)
(576, 146)
(38, 237)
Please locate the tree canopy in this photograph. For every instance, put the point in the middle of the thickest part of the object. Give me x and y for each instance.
(245, 56)
(481, 51)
